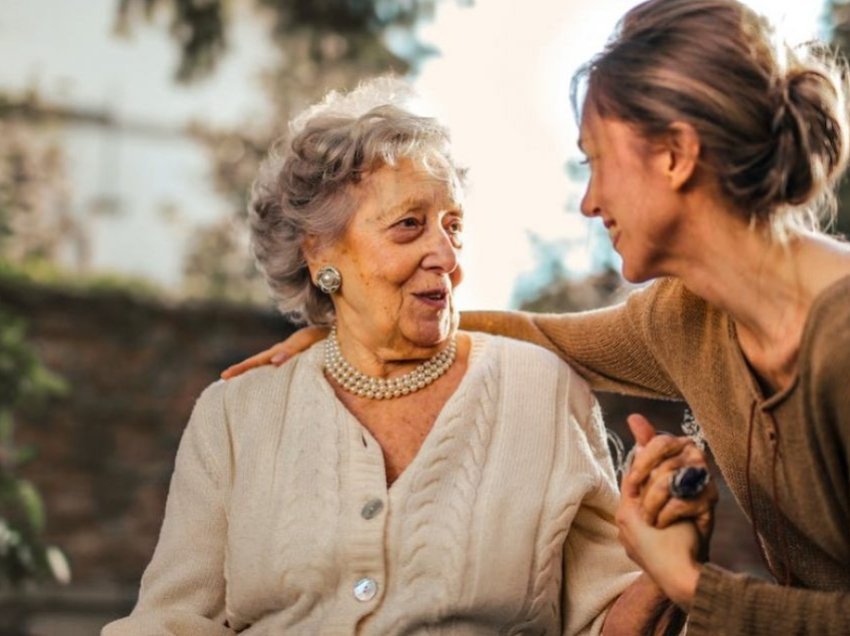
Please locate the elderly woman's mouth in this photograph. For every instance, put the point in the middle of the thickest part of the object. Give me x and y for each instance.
(437, 298)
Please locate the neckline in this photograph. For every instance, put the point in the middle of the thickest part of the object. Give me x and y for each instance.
(773, 400)
(479, 343)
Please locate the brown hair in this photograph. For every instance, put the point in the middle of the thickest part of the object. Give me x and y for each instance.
(771, 120)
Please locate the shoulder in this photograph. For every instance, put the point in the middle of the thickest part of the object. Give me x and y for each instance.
(829, 315)
(523, 357)
(271, 382)
(251, 397)
(533, 370)
(826, 339)
(667, 303)
(681, 327)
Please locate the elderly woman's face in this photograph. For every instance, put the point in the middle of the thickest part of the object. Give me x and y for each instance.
(399, 259)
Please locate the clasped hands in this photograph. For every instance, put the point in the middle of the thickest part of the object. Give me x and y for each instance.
(667, 537)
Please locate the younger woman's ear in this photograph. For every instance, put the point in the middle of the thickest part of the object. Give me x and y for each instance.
(683, 148)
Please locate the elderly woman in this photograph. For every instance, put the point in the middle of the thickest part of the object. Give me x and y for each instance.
(400, 476)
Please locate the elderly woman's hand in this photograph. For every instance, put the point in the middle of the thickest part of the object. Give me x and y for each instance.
(279, 353)
(656, 461)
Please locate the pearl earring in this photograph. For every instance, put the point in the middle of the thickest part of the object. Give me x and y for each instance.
(328, 279)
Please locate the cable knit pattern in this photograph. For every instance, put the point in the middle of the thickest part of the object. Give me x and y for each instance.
(502, 523)
(452, 472)
(666, 342)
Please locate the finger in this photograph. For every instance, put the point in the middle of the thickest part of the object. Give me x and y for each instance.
(705, 526)
(629, 526)
(642, 430)
(690, 455)
(655, 492)
(281, 353)
(679, 509)
(255, 360)
(296, 343)
(647, 459)
(660, 448)
(627, 513)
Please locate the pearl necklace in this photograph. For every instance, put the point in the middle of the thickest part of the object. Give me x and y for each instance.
(370, 387)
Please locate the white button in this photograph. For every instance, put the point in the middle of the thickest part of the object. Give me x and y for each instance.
(372, 508)
(365, 589)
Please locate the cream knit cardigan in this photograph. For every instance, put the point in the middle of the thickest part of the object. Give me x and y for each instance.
(501, 524)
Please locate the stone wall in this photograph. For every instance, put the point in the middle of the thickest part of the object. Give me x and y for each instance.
(106, 451)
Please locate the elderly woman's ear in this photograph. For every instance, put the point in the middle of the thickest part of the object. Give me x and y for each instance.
(320, 262)
(315, 253)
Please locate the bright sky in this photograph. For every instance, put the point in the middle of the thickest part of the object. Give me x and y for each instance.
(501, 83)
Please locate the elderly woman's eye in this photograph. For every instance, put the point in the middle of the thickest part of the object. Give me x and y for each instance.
(409, 223)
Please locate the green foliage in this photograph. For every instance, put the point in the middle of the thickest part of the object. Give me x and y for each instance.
(48, 273)
(337, 30)
(24, 383)
(838, 15)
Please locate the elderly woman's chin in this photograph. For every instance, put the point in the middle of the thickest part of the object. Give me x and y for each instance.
(430, 328)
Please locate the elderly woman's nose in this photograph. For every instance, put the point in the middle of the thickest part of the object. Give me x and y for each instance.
(442, 251)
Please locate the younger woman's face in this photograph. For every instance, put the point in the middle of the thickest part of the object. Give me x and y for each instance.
(629, 190)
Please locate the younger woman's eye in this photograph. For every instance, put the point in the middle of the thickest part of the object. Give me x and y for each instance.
(455, 227)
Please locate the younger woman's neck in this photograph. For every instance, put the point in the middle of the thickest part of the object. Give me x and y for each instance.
(765, 285)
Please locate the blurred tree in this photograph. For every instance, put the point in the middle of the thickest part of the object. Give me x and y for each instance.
(321, 45)
(35, 218)
(217, 267)
(563, 294)
(316, 31)
(24, 382)
(838, 16)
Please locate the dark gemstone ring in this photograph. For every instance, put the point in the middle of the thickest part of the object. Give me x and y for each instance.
(688, 482)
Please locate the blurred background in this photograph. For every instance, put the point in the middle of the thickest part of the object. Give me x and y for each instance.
(130, 131)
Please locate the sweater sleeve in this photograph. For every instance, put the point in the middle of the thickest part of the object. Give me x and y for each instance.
(612, 348)
(727, 603)
(596, 568)
(183, 587)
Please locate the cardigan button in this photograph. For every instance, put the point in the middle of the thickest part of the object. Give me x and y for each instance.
(365, 589)
(372, 508)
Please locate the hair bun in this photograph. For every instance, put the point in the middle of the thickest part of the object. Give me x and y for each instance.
(809, 131)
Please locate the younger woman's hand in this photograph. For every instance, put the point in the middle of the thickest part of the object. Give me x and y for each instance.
(279, 353)
(670, 556)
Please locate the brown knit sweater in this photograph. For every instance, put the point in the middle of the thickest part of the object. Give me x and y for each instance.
(666, 342)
